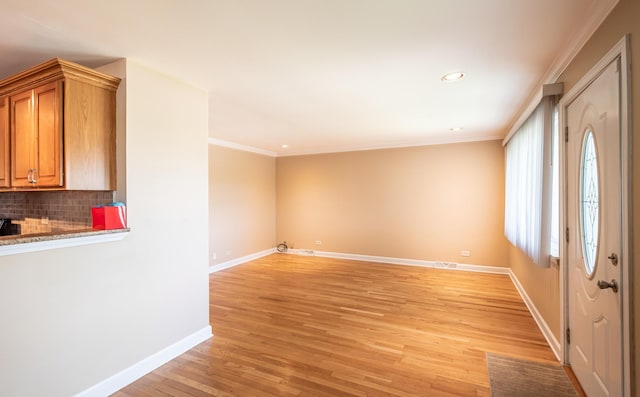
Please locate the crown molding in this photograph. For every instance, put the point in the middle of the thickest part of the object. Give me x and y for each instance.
(397, 145)
(244, 148)
(600, 10)
(354, 148)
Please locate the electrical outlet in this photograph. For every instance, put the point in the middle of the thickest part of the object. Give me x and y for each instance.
(214, 256)
(465, 253)
(44, 220)
(318, 242)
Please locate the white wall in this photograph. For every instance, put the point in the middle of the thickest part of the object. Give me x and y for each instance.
(70, 318)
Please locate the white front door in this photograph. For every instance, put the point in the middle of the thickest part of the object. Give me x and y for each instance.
(593, 210)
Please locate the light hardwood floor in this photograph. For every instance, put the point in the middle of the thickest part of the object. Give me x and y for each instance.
(288, 325)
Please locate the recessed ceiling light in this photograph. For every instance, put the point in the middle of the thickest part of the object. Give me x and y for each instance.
(453, 76)
(284, 146)
(455, 129)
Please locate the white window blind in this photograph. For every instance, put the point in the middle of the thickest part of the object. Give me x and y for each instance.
(528, 187)
(554, 232)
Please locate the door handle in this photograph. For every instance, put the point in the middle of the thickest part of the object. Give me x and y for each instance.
(604, 285)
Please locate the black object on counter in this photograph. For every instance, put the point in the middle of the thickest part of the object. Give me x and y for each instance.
(7, 228)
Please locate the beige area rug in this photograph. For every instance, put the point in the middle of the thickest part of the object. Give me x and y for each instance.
(512, 377)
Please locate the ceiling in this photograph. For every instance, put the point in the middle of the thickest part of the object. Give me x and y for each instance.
(323, 75)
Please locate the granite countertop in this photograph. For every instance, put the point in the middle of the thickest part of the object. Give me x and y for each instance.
(60, 235)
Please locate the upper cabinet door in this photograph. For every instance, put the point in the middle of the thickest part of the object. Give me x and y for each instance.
(48, 125)
(22, 138)
(5, 162)
(36, 137)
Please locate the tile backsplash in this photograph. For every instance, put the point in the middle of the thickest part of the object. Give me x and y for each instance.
(53, 211)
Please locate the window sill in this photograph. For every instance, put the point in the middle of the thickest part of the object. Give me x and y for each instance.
(13, 245)
(554, 261)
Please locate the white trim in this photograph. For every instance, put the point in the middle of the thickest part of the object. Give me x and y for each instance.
(621, 49)
(404, 261)
(143, 367)
(553, 342)
(14, 249)
(397, 145)
(357, 148)
(627, 226)
(244, 148)
(596, 17)
(240, 261)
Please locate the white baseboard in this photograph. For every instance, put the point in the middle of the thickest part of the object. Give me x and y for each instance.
(141, 368)
(544, 327)
(241, 260)
(403, 261)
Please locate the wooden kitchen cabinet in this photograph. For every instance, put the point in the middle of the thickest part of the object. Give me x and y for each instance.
(61, 133)
(36, 137)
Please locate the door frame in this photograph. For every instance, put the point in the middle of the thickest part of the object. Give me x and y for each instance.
(621, 49)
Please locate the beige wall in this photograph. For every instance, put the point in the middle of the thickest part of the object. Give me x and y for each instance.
(542, 286)
(622, 20)
(242, 203)
(74, 317)
(426, 203)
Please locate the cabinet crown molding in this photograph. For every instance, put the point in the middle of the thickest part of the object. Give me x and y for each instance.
(55, 69)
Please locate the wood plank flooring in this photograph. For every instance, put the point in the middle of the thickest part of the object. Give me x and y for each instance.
(288, 325)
